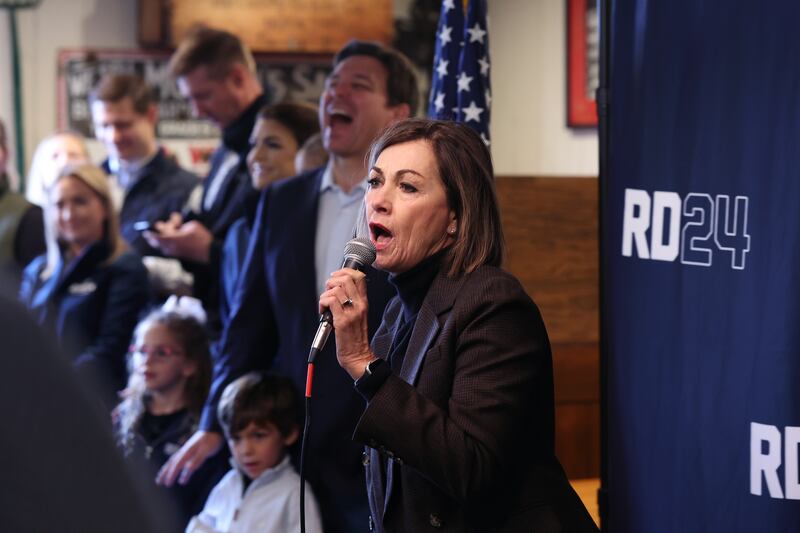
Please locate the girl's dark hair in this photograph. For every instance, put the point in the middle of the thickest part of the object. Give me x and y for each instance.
(191, 335)
(259, 399)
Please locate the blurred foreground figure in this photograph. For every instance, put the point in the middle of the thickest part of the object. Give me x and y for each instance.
(61, 472)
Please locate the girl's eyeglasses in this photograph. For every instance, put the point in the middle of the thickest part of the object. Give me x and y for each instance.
(158, 352)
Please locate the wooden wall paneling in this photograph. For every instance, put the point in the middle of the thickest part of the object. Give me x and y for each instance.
(576, 372)
(578, 439)
(551, 229)
(576, 375)
(551, 235)
(310, 26)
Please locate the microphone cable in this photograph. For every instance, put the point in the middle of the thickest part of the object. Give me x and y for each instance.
(358, 253)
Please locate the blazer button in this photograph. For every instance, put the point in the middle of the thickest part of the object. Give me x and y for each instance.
(435, 521)
(371, 524)
(365, 462)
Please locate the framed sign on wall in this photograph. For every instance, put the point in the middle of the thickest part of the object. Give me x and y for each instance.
(583, 67)
(296, 77)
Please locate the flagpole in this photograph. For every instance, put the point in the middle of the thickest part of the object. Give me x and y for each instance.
(17, 88)
(603, 130)
(12, 6)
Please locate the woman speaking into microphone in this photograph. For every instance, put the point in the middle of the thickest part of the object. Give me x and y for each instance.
(458, 379)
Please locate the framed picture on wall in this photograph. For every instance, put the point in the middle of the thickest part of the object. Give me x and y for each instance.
(583, 68)
(298, 77)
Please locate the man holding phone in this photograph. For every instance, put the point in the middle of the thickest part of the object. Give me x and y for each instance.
(149, 184)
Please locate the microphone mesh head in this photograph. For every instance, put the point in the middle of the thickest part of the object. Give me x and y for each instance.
(361, 250)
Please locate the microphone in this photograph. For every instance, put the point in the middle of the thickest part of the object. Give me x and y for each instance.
(358, 253)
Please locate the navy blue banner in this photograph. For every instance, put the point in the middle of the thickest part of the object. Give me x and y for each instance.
(701, 258)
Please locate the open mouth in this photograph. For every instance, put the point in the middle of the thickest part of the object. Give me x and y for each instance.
(380, 233)
(337, 117)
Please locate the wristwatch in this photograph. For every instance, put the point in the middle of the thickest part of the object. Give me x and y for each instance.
(375, 375)
(372, 366)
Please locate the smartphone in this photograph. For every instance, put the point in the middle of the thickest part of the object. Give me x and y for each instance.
(145, 225)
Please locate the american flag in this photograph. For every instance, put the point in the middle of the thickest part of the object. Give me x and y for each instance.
(461, 89)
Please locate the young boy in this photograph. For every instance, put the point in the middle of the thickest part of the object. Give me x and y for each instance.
(261, 493)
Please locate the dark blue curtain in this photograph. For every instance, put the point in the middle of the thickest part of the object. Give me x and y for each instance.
(701, 254)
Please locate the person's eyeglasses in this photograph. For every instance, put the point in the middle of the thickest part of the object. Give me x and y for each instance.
(158, 352)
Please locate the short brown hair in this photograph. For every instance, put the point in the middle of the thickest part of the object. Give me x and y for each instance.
(260, 399)
(300, 119)
(401, 79)
(215, 49)
(115, 87)
(465, 167)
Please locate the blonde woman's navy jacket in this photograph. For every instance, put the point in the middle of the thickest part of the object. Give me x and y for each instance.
(92, 305)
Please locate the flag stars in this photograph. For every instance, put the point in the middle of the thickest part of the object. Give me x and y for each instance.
(473, 112)
(484, 63)
(444, 35)
(438, 103)
(462, 68)
(441, 68)
(464, 81)
(476, 33)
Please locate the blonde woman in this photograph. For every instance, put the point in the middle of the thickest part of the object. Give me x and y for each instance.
(90, 294)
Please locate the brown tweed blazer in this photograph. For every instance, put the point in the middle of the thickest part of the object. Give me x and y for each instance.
(467, 427)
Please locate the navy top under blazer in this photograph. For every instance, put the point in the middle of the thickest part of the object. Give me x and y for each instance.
(92, 305)
(274, 317)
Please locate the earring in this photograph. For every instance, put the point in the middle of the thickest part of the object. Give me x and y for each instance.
(451, 230)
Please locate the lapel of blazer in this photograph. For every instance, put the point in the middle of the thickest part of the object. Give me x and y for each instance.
(437, 302)
(230, 183)
(382, 341)
(217, 159)
(48, 288)
(307, 208)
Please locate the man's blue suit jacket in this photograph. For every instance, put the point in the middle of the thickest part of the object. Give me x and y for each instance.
(273, 319)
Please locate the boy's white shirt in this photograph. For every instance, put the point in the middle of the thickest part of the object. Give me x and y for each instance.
(271, 504)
